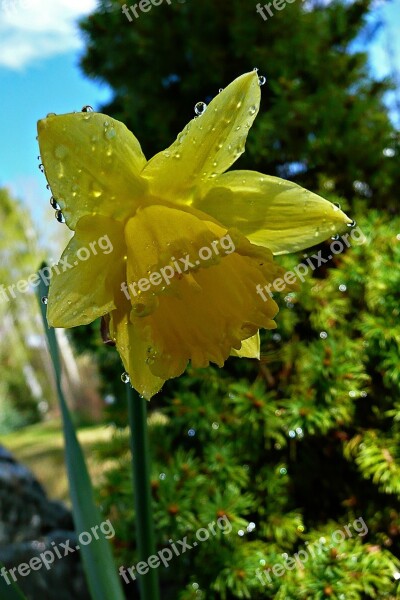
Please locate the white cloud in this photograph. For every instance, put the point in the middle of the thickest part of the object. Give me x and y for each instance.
(32, 30)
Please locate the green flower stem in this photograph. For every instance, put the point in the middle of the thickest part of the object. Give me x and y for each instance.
(137, 409)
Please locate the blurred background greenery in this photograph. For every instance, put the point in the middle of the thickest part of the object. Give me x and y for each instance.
(300, 444)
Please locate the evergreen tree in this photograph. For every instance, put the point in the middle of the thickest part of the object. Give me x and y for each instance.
(322, 118)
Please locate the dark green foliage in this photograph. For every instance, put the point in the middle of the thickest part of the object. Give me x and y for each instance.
(304, 446)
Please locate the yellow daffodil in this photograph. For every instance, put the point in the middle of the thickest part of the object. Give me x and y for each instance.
(168, 213)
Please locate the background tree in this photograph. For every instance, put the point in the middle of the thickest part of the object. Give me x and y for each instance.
(322, 117)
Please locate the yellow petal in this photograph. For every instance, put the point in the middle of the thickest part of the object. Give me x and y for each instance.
(134, 350)
(85, 282)
(209, 144)
(93, 165)
(202, 313)
(271, 212)
(250, 348)
(158, 239)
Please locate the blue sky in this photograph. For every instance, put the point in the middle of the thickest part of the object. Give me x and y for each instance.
(39, 52)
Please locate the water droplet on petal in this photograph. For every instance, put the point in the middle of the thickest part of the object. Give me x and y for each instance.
(200, 108)
(255, 69)
(41, 168)
(50, 115)
(125, 377)
(262, 80)
(335, 237)
(96, 189)
(61, 152)
(54, 204)
(220, 90)
(252, 110)
(44, 300)
(47, 187)
(352, 224)
(59, 216)
(87, 108)
(110, 133)
(336, 206)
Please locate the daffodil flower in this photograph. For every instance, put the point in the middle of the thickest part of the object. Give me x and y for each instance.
(159, 211)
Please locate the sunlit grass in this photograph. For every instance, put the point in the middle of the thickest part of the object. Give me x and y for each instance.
(40, 447)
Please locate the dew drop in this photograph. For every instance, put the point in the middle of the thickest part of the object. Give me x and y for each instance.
(352, 224)
(96, 189)
(335, 237)
(110, 133)
(44, 299)
(342, 287)
(323, 335)
(59, 216)
(61, 152)
(50, 115)
(191, 432)
(47, 187)
(220, 90)
(252, 110)
(200, 108)
(255, 69)
(41, 168)
(336, 206)
(87, 108)
(54, 204)
(262, 80)
(125, 377)
(162, 476)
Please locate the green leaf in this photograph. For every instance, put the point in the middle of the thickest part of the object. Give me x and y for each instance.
(97, 556)
(9, 591)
